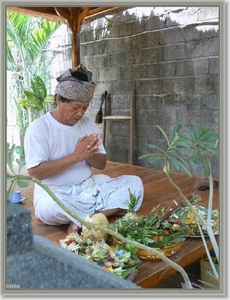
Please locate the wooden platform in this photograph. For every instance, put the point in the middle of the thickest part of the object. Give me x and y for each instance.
(157, 190)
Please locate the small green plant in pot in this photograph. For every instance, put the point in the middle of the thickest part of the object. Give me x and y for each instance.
(200, 145)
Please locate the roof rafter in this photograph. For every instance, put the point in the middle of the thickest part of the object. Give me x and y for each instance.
(74, 17)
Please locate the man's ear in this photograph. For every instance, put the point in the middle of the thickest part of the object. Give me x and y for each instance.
(57, 99)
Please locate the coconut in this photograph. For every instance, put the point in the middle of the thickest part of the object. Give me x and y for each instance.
(99, 219)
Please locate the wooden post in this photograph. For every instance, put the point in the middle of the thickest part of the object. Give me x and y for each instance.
(74, 20)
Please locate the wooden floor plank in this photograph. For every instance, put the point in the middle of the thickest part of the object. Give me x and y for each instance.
(157, 189)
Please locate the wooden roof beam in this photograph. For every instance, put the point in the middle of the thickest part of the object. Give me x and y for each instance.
(74, 19)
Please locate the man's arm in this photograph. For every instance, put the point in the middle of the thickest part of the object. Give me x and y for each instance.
(97, 161)
(49, 169)
(52, 168)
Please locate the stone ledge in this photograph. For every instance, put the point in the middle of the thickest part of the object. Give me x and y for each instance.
(49, 266)
(34, 262)
(19, 229)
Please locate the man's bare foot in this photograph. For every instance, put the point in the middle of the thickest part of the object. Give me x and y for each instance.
(72, 227)
(114, 212)
(120, 213)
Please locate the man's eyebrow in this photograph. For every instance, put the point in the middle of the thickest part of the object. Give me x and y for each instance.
(78, 105)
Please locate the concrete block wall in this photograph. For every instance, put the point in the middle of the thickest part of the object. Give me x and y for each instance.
(34, 262)
(169, 56)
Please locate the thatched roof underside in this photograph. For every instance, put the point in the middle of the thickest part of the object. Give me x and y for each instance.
(50, 13)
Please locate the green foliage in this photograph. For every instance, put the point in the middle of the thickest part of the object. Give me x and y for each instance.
(199, 144)
(150, 230)
(36, 96)
(15, 160)
(12, 158)
(26, 39)
(170, 155)
(130, 248)
(27, 36)
(132, 202)
(20, 152)
(203, 142)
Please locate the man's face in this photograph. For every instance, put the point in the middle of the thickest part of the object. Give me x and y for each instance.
(71, 112)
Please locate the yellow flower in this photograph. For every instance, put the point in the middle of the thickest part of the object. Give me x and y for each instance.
(110, 269)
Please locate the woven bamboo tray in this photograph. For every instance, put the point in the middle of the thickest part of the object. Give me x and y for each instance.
(167, 251)
(205, 270)
(149, 256)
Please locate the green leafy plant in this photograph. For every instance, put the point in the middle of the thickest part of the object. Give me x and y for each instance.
(170, 154)
(151, 230)
(26, 39)
(132, 202)
(12, 163)
(200, 145)
(36, 97)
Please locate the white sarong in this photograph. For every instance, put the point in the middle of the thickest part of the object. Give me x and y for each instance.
(98, 193)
